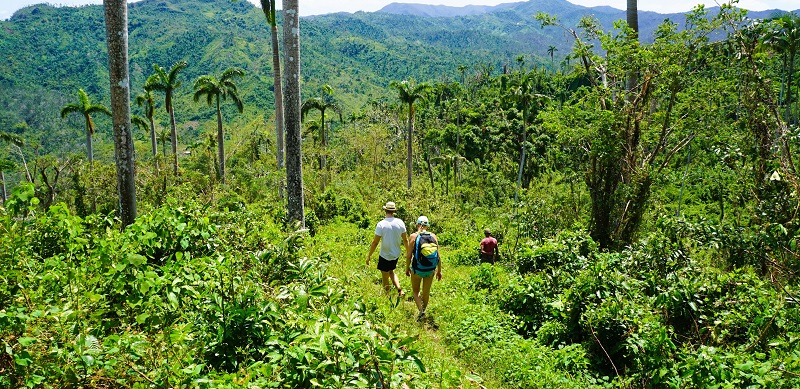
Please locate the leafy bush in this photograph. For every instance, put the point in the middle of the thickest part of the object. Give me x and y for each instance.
(484, 277)
(569, 251)
(202, 316)
(530, 300)
(332, 205)
(173, 228)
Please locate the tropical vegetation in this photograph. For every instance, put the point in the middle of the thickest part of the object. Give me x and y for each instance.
(643, 190)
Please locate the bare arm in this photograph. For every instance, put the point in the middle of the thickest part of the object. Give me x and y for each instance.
(375, 240)
(409, 251)
(439, 265)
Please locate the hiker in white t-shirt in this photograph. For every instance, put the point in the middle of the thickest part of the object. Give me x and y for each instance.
(391, 234)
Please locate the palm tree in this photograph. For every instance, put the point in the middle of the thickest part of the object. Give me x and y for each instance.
(294, 156)
(147, 101)
(524, 94)
(785, 39)
(552, 51)
(216, 91)
(6, 165)
(409, 92)
(140, 123)
(268, 6)
(163, 137)
(322, 104)
(632, 17)
(116, 15)
(167, 82)
(86, 109)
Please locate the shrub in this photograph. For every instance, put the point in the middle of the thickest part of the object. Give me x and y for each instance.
(529, 300)
(172, 228)
(569, 251)
(484, 277)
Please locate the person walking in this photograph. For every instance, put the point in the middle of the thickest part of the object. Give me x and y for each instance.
(488, 247)
(422, 260)
(391, 234)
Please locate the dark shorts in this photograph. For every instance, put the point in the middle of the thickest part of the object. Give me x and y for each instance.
(386, 265)
(487, 258)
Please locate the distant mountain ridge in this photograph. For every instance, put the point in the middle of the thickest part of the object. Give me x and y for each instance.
(49, 52)
(444, 11)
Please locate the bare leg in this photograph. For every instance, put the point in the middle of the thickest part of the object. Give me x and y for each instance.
(415, 281)
(426, 291)
(385, 280)
(390, 276)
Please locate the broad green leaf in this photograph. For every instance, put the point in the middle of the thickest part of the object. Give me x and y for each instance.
(142, 318)
(136, 259)
(26, 341)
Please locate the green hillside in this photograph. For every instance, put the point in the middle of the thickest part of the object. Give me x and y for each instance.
(51, 52)
(644, 194)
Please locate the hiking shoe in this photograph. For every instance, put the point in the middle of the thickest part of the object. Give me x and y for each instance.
(421, 316)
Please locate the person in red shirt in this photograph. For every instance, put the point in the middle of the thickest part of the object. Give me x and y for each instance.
(489, 249)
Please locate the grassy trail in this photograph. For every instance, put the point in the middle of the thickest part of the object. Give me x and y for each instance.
(347, 247)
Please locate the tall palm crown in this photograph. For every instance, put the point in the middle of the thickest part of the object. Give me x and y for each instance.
(85, 107)
(166, 82)
(268, 7)
(147, 101)
(140, 123)
(321, 104)
(217, 90)
(409, 92)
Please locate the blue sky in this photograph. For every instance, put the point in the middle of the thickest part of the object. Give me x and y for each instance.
(316, 7)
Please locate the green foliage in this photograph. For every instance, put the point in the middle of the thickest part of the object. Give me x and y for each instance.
(569, 252)
(599, 286)
(160, 235)
(22, 201)
(331, 206)
(484, 278)
(125, 308)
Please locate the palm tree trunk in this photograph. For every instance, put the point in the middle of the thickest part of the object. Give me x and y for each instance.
(294, 157)
(430, 172)
(89, 149)
(3, 179)
(522, 155)
(220, 143)
(323, 158)
(276, 68)
(632, 17)
(153, 141)
(789, 88)
(174, 139)
(410, 137)
(323, 161)
(116, 15)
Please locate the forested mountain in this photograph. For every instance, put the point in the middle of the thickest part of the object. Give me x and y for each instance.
(644, 194)
(556, 7)
(50, 52)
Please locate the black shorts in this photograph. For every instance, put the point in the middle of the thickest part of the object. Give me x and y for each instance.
(386, 265)
(487, 258)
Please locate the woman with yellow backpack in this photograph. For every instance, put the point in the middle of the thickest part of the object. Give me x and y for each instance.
(422, 261)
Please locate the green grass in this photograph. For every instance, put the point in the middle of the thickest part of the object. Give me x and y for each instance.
(348, 246)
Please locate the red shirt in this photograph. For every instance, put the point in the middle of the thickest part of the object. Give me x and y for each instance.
(488, 245)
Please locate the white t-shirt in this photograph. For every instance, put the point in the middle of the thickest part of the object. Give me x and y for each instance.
(391, 230)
